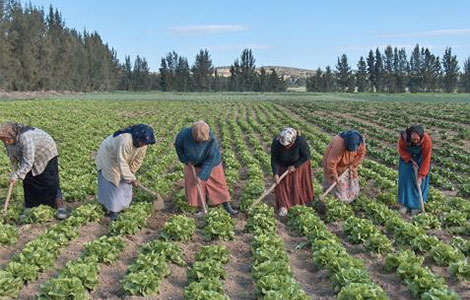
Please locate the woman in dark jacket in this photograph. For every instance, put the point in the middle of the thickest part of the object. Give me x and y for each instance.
(290, 151)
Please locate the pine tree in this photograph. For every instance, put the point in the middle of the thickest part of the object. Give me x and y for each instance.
(235, 76)
(451, 71)
(400, 69)
(247, 70)
(379, 71)
(371, 71)
(328, 82)
(415, 75)
(262, 81)
(182, 75)
(389, 80)
(314, 82)
(127, 76)
(361, 75)
(5, 55)
(465, 78)
(141, 75)
(275, 82)
(167, 71)
(202, 71)
(343, 74)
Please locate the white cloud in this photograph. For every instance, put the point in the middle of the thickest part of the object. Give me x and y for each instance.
(206, 29)
(239, 47)
(439, 32)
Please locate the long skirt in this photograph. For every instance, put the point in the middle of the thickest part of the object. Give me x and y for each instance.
(215, 188)
(347, 189)
(114, 198)
(296, 188)
(43, 188)
(408, 194)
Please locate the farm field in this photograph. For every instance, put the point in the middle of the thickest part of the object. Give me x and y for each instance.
(366, 248)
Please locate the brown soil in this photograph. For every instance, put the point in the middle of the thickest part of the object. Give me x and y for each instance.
(33, 94)
(314, 281)
(87, 233)
(27, 233)
(393, 286)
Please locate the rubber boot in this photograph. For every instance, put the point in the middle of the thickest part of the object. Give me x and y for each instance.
(113, 216)
(229, 209)
(61, 211)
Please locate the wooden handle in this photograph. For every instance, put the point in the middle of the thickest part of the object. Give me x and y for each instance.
(5, 207)
(269, 190)
(333, 185)
(143, 188)
(418, 186)
(199, 190)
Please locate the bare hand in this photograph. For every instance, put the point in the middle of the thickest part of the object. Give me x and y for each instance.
(354, 173)
(335, 179)
(135, 183)
(291, 169)
(276, 179)
(13, 181)
(420, 180)
(415, 165)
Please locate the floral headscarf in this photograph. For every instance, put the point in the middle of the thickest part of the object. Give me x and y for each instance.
(287, 136)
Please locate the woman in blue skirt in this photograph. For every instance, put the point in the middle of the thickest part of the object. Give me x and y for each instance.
(415, 147)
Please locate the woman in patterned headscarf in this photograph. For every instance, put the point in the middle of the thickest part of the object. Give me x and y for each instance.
(196, 146)
(345, 151)
(290, 151)
(415, 148)
(34, 154)
(118, 159)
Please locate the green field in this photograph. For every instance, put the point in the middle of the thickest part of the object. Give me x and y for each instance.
(370, 237)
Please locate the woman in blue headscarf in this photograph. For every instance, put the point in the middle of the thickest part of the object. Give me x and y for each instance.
(345, 151)
(118, 159)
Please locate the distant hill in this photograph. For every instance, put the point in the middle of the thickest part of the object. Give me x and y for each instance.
(287, 72)
(294, 77)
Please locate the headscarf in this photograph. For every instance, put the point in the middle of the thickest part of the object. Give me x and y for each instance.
(352, 140)
(200, 131)
(12, 130)
(140, 133)
(287, 136)
(413, 128)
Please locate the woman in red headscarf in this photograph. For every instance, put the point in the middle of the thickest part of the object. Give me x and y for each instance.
(414, 147)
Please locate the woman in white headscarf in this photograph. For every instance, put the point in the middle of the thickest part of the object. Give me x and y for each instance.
(34, 156)
(290, 151)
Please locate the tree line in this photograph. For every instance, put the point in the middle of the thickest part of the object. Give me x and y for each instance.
(392, 72)
(38, 52)
(176, 75)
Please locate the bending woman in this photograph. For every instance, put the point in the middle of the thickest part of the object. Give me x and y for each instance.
(34, 154)
(290, 151)
(118, 159)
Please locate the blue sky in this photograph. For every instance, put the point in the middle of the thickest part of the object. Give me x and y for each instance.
(304, 34)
